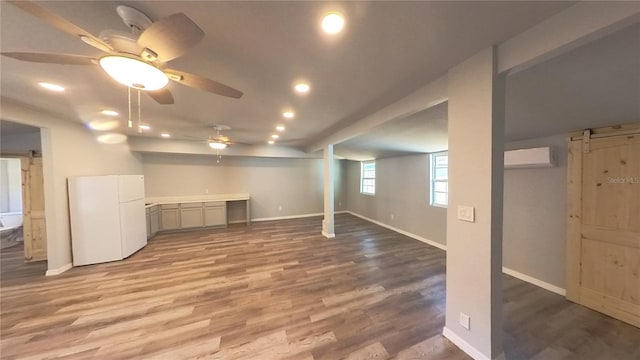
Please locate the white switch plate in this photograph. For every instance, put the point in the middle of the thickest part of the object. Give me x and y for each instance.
(465, 321)
(466, 213)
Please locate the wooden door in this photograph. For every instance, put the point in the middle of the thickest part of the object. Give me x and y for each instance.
(603, 248)
(34, 224)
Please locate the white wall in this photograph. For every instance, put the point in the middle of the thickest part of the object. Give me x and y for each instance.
(10, 185)
(402, 190)
(535, 215)
(68, 149)
(278, 186)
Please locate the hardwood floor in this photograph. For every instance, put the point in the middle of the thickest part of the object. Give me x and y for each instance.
(279, 290)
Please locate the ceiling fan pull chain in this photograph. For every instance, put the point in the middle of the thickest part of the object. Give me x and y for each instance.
(130, 123)
(139, 114)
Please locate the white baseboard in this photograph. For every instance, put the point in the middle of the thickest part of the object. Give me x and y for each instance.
(406, 233)
(286, 217)
(515, 274)
(327, 235)
(293, 216)
(466, 347)
(545, 285)
(60, 270)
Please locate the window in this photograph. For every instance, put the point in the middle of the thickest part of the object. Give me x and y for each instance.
(368, 177)
(440, 179)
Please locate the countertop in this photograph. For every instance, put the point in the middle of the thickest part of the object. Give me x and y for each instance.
(152, 201)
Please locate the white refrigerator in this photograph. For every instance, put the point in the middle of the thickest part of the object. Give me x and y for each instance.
(107, 217)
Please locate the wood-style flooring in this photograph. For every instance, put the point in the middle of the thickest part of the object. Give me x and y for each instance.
(278, 290)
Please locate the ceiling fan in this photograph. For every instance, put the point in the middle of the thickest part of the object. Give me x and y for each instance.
(136, 59)
(219, 141)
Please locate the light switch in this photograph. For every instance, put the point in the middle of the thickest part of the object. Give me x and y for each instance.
(465, 321)
(466, 213)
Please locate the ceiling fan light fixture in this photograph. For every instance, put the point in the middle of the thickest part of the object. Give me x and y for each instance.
(134, 73)
(217, 145)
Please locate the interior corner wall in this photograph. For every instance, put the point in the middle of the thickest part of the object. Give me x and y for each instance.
(535, 215)
(279, 187)
(402, 196)
(68, 149)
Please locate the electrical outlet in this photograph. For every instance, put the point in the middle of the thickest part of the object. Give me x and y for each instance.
(466, 213)
(392, 217)
(206, 191)
(465, 321)
(279, 207)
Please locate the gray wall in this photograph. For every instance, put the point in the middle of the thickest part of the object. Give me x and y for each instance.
(402, 190)
(534, 215)
(278, 187)
(534, 207)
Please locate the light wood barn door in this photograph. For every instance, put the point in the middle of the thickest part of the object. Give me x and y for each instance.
(603, 252)
(34, 223)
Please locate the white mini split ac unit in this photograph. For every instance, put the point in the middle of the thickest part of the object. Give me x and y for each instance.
(529, 158)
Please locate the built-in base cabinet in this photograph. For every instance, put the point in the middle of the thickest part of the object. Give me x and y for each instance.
(215, 213)
(185, 216)
(191, 215)
(153, 220)
(169, 216)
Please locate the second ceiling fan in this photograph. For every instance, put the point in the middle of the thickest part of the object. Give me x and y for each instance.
(137, 59)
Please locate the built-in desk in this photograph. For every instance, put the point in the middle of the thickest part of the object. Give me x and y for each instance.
(192, 212)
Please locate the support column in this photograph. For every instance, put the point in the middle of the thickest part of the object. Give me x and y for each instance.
(328, 222)
(476, 171)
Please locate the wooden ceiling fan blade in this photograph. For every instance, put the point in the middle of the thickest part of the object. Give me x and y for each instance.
(203, 83)
(63, 59)
(171, 36)
(162, 96)
(61, 24)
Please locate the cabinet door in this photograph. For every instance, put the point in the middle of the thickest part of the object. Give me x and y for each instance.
(169, 219)
(191, 215)
(149, 231)
(215, 215)
(154, 220)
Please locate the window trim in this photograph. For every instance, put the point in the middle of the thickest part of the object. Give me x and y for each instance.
(362, 178)
(433, 180)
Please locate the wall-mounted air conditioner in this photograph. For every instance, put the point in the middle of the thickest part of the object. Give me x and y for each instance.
(529, 158)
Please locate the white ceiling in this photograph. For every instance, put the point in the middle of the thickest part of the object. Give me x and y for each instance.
(388, 50)
(592, 86)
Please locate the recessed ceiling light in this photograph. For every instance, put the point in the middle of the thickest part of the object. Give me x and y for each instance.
(332, 23)
(280, 128)
(275, 136)
(165, 135)
(302, 87)
(145, 127)
(271, 142)
(109, 113)
(52, 87)
(103, 125)
(112, 138)
(288, 114)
